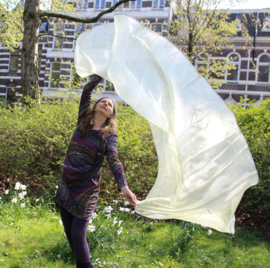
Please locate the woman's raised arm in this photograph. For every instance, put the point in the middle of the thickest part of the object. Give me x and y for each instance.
(87, 96)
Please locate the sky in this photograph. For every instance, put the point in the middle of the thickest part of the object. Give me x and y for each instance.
(253, 4)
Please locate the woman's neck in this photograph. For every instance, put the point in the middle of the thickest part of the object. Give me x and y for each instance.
(98, 121)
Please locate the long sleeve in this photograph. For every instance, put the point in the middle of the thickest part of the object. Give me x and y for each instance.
(87, 96)
(114, 163)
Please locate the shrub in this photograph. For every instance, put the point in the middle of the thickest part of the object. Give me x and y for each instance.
(34, 142)
(254, 122)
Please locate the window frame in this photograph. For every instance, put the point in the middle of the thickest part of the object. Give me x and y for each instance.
(17, 57)
(236, 63)
(54, 71)
(262, 64)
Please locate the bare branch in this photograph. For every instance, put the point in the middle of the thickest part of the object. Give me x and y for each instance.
(46, 34)
(78, 19)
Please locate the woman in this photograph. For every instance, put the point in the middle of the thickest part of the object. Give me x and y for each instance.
(79, 183)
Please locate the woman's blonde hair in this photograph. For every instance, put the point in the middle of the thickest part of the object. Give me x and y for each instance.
(87, 123)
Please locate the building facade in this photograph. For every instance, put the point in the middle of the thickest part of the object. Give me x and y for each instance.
(250, 79)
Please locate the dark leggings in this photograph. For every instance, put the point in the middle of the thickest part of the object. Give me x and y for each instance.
(75, 229)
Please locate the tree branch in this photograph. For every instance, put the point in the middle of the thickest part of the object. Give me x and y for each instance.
(78, 19)
(56, 36)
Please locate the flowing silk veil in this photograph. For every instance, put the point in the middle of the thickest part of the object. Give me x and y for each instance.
(204, 161)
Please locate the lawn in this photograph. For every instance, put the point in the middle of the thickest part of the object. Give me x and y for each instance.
(31, 235)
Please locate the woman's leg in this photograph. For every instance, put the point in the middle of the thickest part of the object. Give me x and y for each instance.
(67, 220)
(78, 232)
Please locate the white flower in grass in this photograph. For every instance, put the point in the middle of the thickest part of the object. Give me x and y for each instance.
(21, 196)
(37, 199)
(132, 212)
(210, 232)
(126, 203)
(56, 186)
(121, 209)
(90, 221)
(17, 186)
(114, 221)
(94, 215)
(0, 198)
(119, 223)
(109, 216)
(108, 209)
(60, 222)
(127, 210)
(24, 193)
(120, 231)
(23, 187)
(22, 205)
(14, 200)
(91, 228)
(6, 191)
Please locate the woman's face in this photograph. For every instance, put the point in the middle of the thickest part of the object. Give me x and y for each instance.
(105, 106)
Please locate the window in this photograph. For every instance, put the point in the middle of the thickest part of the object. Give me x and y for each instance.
(14, 59)
(100, 4)
(232, 75)
(159, 4)
(55, 74)
(91, 5)
(156, 27)
(263, 68)
(39, 57)
(146, 3)
(59, 32)
(9, 96)
(44, 26)
(202, 64)
(266, 25)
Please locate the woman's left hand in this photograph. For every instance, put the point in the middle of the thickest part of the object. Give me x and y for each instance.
(130, 197)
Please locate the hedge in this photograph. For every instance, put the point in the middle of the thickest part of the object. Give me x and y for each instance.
(34, 140)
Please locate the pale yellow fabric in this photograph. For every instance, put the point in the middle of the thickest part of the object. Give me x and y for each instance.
(204, 161)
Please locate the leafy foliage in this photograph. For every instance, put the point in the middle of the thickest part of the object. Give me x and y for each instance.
(201, 29)
(34, 141)
(255, 125)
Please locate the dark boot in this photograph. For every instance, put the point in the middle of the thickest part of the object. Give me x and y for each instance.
(84, 265)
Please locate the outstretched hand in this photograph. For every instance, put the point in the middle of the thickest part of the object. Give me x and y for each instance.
(130, 197)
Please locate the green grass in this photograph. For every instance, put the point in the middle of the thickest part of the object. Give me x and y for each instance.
(33, 237)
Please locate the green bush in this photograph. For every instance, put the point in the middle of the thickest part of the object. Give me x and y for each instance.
(34, 141)
(254, 122)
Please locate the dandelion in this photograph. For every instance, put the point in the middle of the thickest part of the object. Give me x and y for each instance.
(14, 200)
(17, 186)
(6, 191)
(22, 205)
(91, 228)
(37, 199)
(210, 232)
(23, 187)
(60, 222)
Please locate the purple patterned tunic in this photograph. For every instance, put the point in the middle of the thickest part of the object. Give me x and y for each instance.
(79, 183)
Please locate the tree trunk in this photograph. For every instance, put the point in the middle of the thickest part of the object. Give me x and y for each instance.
(29, 54)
